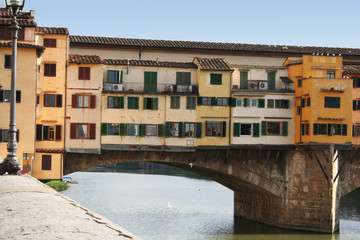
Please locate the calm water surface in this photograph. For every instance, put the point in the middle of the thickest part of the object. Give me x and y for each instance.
(159, 207)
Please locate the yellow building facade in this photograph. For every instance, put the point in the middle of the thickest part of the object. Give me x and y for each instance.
(322, 100)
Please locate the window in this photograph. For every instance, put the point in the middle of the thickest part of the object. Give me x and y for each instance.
(189, 129)
(113, 129)
(48, 132)
(308, 102)
(332, 102)
(5, 95)
(82, 131)
(215, 129)
(50, 70)
(151, 130)
(5, 33)
(50, 42)
(356, 82)
(150, 103)
(84, 73)
(7, 61)
(245, 129)
(183, 78)
(83, 101)
(175, 102)
(174, 129)
(243, 80)
(322, 129)
(305, 129)
(299, 82)
(131, 129)
(4, 135)
(330, 74)
(206, 101)
(133, 102)
(150, 81)
(330, 129)
(282, 103)
(253, 102)
(114, 76)
(46, 162)
(52, 100)
(274, 128)
(115, 102)
(190, 103)
(238, 102)
(215, 78)
(222, 101)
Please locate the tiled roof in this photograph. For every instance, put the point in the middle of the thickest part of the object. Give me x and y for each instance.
(21, 45)
(214, 64)
(85, 59)
(149, 63)
(52, 30)
(351, 69)
(239, 47)
(25, 19)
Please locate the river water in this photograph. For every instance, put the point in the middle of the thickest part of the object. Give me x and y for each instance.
(161, 207)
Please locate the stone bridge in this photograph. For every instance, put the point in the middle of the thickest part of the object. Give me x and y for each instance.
(296, 188)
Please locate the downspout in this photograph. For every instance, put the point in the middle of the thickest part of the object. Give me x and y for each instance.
(65, 105)
(230, 108)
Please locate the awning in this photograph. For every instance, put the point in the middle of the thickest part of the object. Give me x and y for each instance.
(286, 80)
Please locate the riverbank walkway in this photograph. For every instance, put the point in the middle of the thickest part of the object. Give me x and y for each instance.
(31, 210)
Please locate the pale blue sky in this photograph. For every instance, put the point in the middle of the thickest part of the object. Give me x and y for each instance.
(332, 23)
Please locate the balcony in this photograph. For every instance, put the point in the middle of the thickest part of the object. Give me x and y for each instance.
(265, 85)
(149, 88)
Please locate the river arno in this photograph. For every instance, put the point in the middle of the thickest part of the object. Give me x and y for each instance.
(160, 207)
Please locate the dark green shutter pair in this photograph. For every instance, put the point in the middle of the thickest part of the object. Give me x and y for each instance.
(243, 80)
(182, 129)
(174, 102)
(183, 78)
(271, 80)
(150, 81)
(133, 102)
(255, 129)
(190, 102)
(104, 129)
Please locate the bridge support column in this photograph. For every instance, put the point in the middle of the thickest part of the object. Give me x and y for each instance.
(309, 198)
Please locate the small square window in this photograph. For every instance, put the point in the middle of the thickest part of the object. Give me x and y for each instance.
(215, 78)
(151, 130)
(131, 129)
(7, 61)
(50, 42)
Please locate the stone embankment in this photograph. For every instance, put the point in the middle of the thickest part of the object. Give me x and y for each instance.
(31, 210)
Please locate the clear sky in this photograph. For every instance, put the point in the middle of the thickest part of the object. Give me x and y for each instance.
(328, 23)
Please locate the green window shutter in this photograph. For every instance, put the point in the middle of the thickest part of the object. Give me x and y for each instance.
(236, 129)
(133, 102)
(271, 80)
(167, 129)
(199, 101)
(172, 102)
(121, 77)
(175, 102)
(122, 129)
(344, 129)
(144, 102)
(150, 81)
(198, 129)
(284, 131)
(256, 129)
(215, 78)
(246, 102)
(270, 103)
(121, 102)
(263, 128)
(233, 102)
(316, 129)
(160, 130)
(183, 78)
(142, 130)
(181, 129)
(108, 101)
(261, 103)
(155, 103)
(224, 129)
(190, 103)
(243, 80)
(104, 129)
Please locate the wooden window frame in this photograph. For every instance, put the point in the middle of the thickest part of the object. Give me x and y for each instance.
(57, 100)
(90, 133)
(91, 102)
(189, 134)
(212, 127)
(50, 42)
(46, 162)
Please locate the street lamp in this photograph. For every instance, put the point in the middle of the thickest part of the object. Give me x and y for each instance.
(11, 164)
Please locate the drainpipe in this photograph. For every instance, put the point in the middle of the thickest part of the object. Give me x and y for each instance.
(230, 108)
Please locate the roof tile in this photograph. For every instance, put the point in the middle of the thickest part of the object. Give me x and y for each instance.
(94, 59)
(149, 63)
(214, 64)
(52, 30)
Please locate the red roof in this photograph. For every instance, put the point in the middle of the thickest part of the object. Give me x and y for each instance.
(94, 59)
(52, 30)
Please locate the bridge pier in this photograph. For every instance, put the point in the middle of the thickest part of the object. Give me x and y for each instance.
(309, 198)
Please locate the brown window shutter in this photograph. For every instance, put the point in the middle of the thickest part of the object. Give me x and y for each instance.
(18, 96)
(1, 95)
(59, 100)
(92, 101)
(58, 133)
(1, 135)
(39, 133)
(18, 135)
(46, 162)
(74, 101)
(87, 73)
(72, 130)
(92, 131)
(80, 74)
